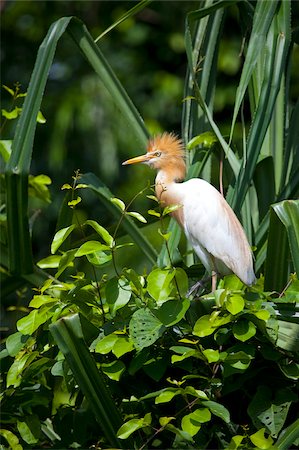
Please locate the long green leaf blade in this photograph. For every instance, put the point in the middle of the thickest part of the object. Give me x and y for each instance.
(68, 334)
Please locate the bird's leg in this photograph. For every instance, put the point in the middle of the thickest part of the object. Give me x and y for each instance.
(214, 280)
(201, 283)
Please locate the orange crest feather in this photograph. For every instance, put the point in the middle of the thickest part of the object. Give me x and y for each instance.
(168, 143)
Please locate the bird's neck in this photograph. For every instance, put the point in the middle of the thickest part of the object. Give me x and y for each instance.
(166, 187)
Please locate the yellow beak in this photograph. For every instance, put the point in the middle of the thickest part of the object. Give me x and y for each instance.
(139, 159)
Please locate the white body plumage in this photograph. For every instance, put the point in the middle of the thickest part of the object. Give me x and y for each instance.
(206, 218)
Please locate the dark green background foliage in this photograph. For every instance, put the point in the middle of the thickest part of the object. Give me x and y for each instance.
(101, 345)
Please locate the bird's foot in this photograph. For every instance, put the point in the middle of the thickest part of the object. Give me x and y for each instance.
(198, 285)
(201, 284)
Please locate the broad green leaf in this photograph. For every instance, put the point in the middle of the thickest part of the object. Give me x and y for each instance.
(99, 258)
(51, 262)
(30, 434)
(218, 410)
(167, 395)
(235, 442)
(101, 231)
(289, 368)
(207, 324)
(145, 328)
(235, 304)
(113, 370)
(211, 355)
(11, 439)
(40, 300)
(118, 293)
(122, 346)
(244, 330)
(14, 374)
(172, 311)
(260, 441)
(15, 342)
(269, 408)
(90, 247)
(106, 344)
(190, 424)
(66, 261)
(31, 322)
(60, 237)
(159, 284)
(132, 425)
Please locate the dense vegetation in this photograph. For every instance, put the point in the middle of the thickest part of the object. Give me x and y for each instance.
(110, 351)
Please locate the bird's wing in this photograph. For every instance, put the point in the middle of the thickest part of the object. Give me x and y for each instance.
(212, 225)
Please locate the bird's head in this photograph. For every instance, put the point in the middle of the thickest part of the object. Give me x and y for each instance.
(164, 152)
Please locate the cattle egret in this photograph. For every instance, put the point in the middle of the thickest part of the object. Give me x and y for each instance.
(208, 221)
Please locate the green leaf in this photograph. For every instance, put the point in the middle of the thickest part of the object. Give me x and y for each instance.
(13, 114)
(122, 346)
(74, 202)
(31, 322)
(68, 333)
(113, 370)
(137, 216)
(167, 395)
(192, 422)
(218, 410)
(118, 293)
(99, 258)
(172, 311)
(244, 330)
(270, 409)
(211, 355)
(145, 328)
(119, 203)
(207, 138)
(152, 212)
(11, 439)
(40, 117)
(5, 149)
(15, 342)
(170, 209)
(206, 324)
(29, 429)
(159, 284)
(288, 436)
(260, 441)
(132, 425)
(14, 374)
(126, 222)
(90, 247)
(101, 231)
(51, 262)
(106, 344)
(60, 237)
(235, 304)
(9, 90)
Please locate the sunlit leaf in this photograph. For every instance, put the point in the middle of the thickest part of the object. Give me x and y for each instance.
(145, 328)
(244, 330)
(113, 370)
(101, 231)
(137, 216)
(118, 202)
(260, 441)
(60, 237)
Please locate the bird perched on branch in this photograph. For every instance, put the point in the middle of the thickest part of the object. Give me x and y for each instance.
(208, 221)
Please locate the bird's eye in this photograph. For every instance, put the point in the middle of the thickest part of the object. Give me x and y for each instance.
(158, 153)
